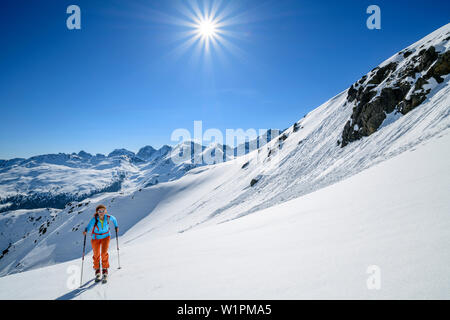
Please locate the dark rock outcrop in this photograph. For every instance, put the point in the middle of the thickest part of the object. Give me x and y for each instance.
(392, 87)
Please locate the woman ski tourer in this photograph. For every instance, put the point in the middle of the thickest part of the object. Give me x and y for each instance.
(100, 240)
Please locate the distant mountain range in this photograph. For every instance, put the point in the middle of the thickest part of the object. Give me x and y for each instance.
(53, 180)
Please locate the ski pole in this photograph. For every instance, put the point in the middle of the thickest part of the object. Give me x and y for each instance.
(82, 261)
(117, 241)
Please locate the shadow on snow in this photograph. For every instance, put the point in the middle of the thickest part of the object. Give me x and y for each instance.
(74, 293)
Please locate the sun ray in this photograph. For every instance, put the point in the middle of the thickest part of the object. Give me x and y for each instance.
(215, 8)
(209, 27)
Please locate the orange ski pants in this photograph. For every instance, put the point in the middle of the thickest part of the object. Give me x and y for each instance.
(100, 248)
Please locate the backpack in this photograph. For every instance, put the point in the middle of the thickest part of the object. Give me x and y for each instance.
(96, 222)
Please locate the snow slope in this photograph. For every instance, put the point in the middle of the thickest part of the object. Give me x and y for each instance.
(302, 206)
(317, 246)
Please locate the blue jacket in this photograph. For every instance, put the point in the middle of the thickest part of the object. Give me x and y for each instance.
(101, 231)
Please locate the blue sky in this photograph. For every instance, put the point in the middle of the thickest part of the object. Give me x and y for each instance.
(121, 81)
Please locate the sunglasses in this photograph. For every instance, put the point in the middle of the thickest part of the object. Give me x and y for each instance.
(101, 210)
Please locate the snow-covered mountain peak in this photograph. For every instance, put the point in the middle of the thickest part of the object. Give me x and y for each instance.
(84, 155)
(121, 152)
(145, 153)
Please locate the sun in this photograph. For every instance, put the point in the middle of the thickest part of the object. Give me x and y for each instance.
(207, 28)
